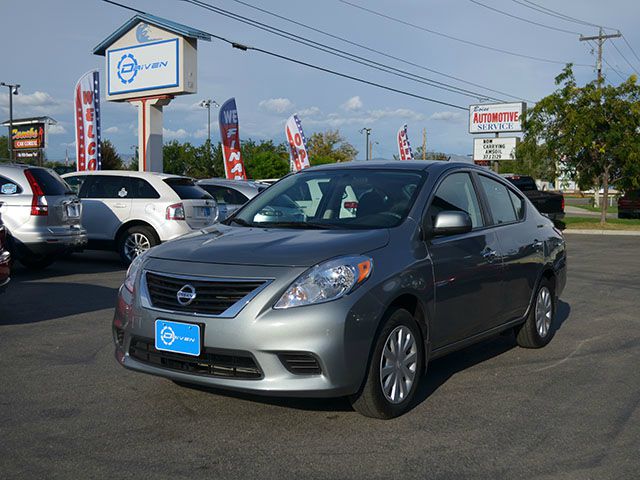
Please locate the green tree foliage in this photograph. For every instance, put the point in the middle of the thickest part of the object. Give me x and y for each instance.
(110, 158)
(593, 131)
(265, 159)
(330, 147)
(4, 147)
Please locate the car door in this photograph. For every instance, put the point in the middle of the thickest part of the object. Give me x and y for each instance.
(467, 268)
(520, 246)
(144, 202)
(106, 204)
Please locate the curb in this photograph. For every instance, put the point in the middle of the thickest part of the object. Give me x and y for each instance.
(629, 233)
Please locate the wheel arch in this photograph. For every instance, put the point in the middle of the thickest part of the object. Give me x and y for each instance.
(414, 306)
(134, 223)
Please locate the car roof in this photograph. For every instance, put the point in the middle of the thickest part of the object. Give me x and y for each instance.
(233, 183)
(415, 165)
(125, 173)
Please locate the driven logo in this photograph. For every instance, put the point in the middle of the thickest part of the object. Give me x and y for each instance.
(186, 295)
(127, 68)
(167, 335)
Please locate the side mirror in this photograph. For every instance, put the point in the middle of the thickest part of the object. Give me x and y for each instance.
(451, 223)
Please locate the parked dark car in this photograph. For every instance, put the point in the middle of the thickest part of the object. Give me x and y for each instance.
(629, 205)
(348, 293)
(550, 204)
(5, 258)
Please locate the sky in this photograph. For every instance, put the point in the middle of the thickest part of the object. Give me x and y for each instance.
(47, 46)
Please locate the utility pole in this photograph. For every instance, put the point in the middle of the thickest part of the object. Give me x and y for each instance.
(367, 132)
(13, 90)
(600, 38)
(424, 144)
(371, 144)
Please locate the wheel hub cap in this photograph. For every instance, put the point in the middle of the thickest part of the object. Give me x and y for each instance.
(544, 312)
(398, 364)
(135, 245)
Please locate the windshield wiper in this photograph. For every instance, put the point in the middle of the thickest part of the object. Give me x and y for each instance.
(242, 222)
(302, 225)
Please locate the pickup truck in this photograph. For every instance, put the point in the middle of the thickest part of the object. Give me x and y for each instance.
(550, 204)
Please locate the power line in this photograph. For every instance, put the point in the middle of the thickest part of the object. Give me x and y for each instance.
(373, 50)
(593, 49)
(244, 47)
(547, 11)
(461, 40)
(630, 48)
(340, 53)
(524, 19)
(624, 58)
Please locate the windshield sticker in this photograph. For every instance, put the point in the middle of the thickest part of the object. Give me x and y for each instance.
(9, 188)
(123, 192)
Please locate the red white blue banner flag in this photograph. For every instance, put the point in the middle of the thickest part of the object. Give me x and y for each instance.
(230, 135)
(87, 115)
(298, 155)
(404, 147)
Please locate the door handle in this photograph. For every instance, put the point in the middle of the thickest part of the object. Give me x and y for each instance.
(119, 205)
(489, 255)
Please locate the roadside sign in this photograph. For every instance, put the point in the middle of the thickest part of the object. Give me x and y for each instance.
(499, 148)
(498, 117)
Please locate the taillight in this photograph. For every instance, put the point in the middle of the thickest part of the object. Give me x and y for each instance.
(562, 204)
(39, 205)
(3, 236)
(175, 212)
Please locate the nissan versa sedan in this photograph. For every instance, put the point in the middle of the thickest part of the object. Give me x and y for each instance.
(349, 293)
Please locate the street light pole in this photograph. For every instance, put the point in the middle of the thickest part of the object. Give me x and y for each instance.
(367, 132)
(207, 104)
(13, 90)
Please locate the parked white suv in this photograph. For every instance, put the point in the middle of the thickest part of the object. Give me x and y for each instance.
(134, 211)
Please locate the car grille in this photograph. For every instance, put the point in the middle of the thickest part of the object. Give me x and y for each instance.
(213, 297)
(300, 363)
(211, 363)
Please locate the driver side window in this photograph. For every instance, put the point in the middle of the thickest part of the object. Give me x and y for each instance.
(456, 193)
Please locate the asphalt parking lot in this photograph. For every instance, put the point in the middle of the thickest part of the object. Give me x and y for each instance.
(569, 411)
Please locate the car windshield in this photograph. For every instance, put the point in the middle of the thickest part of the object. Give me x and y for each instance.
(345, 198)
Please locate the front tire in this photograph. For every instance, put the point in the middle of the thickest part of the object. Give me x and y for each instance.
(537, 330)
(395, 368)
(135, 241)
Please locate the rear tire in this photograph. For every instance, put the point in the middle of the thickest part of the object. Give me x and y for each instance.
(134, 241)
(395, 368)
(538, 329)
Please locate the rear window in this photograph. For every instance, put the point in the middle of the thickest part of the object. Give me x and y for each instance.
(187, 189)
(50, 182)
(524, 184)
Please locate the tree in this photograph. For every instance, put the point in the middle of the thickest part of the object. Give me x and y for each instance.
(330, 147)
(431, 155)
(265, 159)
(4, 147)
(110, 158)
(593, 131)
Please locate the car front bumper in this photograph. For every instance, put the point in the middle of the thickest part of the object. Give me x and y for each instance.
(338, 335)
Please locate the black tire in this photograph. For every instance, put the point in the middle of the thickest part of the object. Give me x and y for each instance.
(136, 232)
(623, 215)
(371, 401)
(529, 335)
(37, 262)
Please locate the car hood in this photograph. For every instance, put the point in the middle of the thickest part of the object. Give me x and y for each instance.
(269, 246)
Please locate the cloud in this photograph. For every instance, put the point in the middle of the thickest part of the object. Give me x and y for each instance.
(111, 130)
(354, 103)
(446, 116)
(309, 112)
(403, 113)
(179, 134)
(56, 129)
(276, 105)
(335, 120)
(36, 103)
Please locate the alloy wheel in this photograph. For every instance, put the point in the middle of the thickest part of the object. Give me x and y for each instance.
(398, 364)
(136, 244)
(544, 312)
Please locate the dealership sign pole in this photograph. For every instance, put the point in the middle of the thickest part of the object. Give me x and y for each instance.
(87, 114)
(495, 118)
(298, 155)
(230, 136)
(148, 61)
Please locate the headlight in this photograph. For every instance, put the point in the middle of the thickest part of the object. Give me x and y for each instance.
(132, 272)
(327, 281)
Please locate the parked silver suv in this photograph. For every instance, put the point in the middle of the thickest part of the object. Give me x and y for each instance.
(41, 213)
(134, 211)
(231, 194)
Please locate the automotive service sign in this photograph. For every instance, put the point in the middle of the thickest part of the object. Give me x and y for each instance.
(500, 148)
(298, 156)
(87, 115)
(28, 137)
(494, 118)
(404, 147)
(148, 66)
(230, 136)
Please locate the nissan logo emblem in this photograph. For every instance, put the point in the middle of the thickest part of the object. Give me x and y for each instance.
(186, 295)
